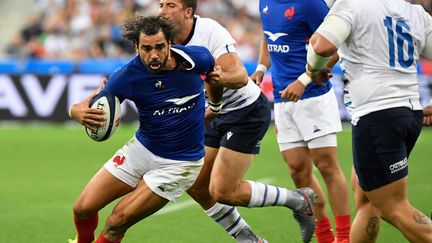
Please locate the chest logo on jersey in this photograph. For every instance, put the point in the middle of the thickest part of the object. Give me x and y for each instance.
(176, 109)
(289, 13)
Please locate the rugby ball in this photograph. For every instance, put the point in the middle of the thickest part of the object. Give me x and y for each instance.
(111, 105)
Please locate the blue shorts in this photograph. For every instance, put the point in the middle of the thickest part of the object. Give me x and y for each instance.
(240, 130)
(382, 142)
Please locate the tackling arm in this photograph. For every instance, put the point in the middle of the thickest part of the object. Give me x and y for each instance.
(234, 75)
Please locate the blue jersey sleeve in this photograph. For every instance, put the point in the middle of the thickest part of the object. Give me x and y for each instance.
(118, 84)
(316, 12)
(204, 61)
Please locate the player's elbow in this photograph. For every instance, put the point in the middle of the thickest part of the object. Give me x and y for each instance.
(322, 46)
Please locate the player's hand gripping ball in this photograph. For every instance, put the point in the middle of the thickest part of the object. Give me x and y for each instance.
(111, 105)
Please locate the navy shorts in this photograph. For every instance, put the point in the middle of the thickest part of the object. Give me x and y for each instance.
(240, 130)
(382, 142)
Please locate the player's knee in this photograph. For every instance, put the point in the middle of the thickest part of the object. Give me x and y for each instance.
(301, 176)
(199, 193)
(327, 166)
(82, 211)
(220, 195)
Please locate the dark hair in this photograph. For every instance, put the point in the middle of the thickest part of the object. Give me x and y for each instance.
(150, 25)
(190, 4)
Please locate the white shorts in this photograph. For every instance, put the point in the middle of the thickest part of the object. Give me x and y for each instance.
(165, 177)
(306, 120)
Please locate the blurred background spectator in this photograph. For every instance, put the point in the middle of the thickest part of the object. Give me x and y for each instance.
(78, 29)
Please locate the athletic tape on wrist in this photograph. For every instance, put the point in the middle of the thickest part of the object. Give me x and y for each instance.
(305, 79)
(261, 68)
(215, 107)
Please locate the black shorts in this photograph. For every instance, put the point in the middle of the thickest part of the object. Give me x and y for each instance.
(382, 142)
(240, 130)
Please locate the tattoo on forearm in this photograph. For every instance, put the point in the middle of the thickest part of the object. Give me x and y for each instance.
(372, 227)
(421, 218)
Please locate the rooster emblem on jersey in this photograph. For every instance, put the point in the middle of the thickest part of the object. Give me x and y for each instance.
(289, 13)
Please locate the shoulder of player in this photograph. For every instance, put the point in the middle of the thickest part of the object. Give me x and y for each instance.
(207, 24)
(191, 54)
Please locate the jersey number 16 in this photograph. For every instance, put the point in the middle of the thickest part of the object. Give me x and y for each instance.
(401, 38)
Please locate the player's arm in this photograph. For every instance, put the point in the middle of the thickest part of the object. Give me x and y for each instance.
(233, 75)
(263, 62)
(86, 116)
(323, 45)
(214, 92)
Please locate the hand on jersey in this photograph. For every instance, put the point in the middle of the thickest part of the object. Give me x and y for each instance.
(427, 115)
(257, 77)
(215, 77)
(293, 91)
(86, 116)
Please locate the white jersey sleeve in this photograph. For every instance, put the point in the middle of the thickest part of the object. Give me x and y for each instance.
(381, 53)
(218, 41)
(213, 36)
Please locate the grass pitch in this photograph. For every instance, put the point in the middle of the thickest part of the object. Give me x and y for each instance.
(43, 169)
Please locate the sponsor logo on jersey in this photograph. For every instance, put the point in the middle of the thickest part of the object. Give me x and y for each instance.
(119, 160)
(289, 13)
(274, 47)
(176, 109)
(400, 165)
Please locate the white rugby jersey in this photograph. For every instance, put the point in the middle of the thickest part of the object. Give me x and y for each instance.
(217, 39)
(381, 53)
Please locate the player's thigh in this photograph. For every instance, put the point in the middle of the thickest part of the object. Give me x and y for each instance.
(229, 168)
(389, 197)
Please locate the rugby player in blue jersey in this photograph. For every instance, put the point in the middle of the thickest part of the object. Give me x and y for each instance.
(234, 136)
(306, 132)
(165, 155)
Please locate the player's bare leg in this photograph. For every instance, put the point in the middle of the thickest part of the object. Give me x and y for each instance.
(300, 166)
(102, 189)
(135, 206)
(366, 224)
(326, 161)
(227, 186)
(226, 216)
(392, 202)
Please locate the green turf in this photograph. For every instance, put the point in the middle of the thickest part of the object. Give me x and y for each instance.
(43, 169)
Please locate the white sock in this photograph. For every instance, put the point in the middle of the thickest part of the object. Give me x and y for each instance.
(263, 195)
(228, 217)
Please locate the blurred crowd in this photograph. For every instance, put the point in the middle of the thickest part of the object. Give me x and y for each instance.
(77, 29)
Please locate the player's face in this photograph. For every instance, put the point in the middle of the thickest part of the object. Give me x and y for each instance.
(153, 51)
(174, 11)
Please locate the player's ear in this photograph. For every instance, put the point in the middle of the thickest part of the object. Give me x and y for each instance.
(189, 12)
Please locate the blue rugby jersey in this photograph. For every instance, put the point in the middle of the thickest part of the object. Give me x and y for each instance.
(287, 26)
(170, 103)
